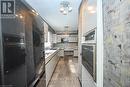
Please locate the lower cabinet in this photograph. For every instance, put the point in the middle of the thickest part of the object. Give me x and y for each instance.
(75, 53)
(50, 67)
(61, 53)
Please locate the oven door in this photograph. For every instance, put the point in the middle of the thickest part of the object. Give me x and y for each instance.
(89, 58)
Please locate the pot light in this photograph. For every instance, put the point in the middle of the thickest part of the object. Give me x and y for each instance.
(33, 11)
(16, 15)
(90, 8)
(21, 16)
(93, 11)
(37, 13)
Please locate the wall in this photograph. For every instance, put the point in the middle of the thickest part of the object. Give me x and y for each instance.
(87, 21)
(116, 43)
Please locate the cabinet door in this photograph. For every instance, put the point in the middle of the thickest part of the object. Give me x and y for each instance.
(54, 38)
(73, 38)
(61, 53)
(49, 70)
(50, 67)
(75, 53)
(58, 39)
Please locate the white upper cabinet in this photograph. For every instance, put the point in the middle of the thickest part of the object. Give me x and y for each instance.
(58, 38)
(73, 38)
(70, 38)
(54, 38)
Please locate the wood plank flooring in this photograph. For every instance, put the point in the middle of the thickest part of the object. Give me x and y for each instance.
(65, 73)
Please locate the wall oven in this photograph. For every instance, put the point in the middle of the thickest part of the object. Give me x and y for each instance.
(14, 60)
(89, 58)
(89, 52)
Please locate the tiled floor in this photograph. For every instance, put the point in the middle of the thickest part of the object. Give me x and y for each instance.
(65, 73)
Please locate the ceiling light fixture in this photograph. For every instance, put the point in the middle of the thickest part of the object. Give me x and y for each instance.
(65, 7)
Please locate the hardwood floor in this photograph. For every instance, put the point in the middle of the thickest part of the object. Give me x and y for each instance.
(65, 73)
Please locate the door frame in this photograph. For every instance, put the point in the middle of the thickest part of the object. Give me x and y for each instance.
(99, 43)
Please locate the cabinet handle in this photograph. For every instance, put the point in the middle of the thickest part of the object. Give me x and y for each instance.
(81, 54)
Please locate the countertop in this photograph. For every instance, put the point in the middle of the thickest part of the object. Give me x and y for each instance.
(49, 54)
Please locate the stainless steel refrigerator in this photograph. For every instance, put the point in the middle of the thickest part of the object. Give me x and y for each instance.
(18, 60)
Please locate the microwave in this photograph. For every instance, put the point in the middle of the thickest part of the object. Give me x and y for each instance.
(90, 36)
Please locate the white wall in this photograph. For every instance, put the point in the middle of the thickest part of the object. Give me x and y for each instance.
(87, 21)
(90, 21)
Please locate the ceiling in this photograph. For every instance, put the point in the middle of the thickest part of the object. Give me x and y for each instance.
(49, 10)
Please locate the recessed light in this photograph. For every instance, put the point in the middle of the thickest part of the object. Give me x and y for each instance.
(21, 16)
(33, 11)
(90, 8)
(93, 11)
(16, 15)
(37, 13)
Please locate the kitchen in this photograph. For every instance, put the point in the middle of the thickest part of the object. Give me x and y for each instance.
(65, 43)
(32, 48)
